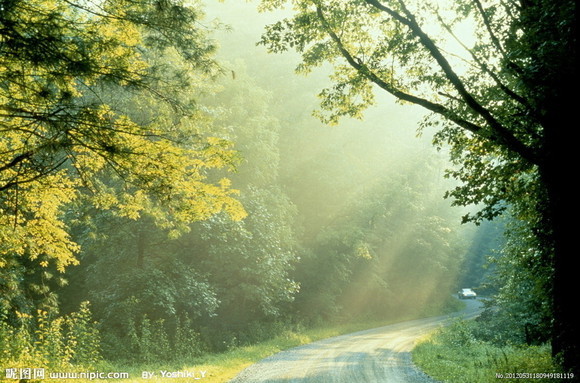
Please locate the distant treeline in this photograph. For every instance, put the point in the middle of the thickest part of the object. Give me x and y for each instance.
(196, 212)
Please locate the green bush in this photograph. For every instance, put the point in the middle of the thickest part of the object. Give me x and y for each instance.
(459, 334)
(152, 341)
(42, 341)
(456, 354)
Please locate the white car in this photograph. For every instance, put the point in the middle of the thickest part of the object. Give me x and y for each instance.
(466, 294)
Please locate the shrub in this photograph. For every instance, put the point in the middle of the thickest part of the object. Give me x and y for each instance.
(456, 354)
(151, 341)
(42, 341)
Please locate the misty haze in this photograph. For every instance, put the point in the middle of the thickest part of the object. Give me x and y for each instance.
(271, 191)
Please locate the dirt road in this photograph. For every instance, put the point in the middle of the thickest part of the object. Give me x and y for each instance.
(372, 356)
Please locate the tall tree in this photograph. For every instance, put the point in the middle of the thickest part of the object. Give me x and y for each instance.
(249, 262)
(62, 131)
(223, 276)
(499, 103)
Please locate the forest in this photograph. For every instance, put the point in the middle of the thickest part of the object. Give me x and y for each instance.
(185, 178)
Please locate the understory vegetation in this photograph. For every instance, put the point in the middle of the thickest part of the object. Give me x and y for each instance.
(167, 196)
(46, 342)
(467, 352)
(71, 345)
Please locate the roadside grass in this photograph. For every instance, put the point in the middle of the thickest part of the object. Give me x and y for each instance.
(453, 355)
(222, 367)
(208, 368)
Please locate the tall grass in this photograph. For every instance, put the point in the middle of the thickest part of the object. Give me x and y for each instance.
(71, 344)
(43, 342)
(454, 354)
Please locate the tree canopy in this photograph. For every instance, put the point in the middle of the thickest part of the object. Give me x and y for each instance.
(497, 94)
(195, 204)
(77, 85)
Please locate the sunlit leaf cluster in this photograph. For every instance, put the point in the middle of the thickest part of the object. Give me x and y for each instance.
(497, 78)
(97, 99)
(463, 61)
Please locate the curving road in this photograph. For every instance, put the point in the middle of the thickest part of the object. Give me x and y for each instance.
(372, 356)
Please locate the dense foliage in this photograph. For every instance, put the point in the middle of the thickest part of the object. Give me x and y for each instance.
(463, 352)
(66, 133)
(496, 92)
(122, 141)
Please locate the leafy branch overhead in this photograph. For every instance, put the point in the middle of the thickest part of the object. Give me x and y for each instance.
(497, 78)
(481, 91)
(82, 96)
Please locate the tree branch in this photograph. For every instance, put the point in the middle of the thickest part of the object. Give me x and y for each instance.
(489, 28)
(501, 135)
(40, 174)
(16, 160)
(358, 65)
(485, 68)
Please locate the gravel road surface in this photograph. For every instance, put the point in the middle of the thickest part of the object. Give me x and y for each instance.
(372, 356)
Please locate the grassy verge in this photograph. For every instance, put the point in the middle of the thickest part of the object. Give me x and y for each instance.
(220, 368)
(453, 355)
(210, 368)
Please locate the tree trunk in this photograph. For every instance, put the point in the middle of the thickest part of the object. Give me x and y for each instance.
(556, 89)
(561, 221)
(565, 339)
